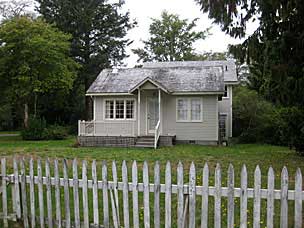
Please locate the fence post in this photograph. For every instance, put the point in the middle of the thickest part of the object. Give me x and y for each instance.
(168, 195)
(298, 199)
(270, 198)
(180, 195)
(85, 195)
(217, 197)
(95, 193)
(146, 195)
(66, 194)
(57, 194)
(135, 195)
(32, 194)
(115, 187)
(243, 197)
(156, 195)
(257, 198)
(40, 194)
(17, 189)
(230, 201)
(284, 198)
(192, 195)
(4, 192)
(125, 193)
(205, 195)
(105, 195)
(23, 194)
(76, 193)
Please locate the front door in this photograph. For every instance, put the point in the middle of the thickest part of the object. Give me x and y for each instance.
(152, 114)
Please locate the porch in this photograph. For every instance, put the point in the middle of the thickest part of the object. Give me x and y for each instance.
(137, 115)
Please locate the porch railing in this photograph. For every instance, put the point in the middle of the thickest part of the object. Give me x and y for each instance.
(106, 128)
(157, 134)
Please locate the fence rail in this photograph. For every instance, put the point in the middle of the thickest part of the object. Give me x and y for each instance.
(54, 191)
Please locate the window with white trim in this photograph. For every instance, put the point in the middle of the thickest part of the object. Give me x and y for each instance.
(189, 110)
(119, 109)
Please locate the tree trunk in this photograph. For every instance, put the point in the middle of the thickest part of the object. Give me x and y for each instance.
(26, 116)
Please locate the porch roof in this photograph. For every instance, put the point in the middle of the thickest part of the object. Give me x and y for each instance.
(173, 79)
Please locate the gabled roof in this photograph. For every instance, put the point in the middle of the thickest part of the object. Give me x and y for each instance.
(229, 67)
(173, 79)
(156, 84)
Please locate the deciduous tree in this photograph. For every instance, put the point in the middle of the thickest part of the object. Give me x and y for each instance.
(171, 39)
(34, 60)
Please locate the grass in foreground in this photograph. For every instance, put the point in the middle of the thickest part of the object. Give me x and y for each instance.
(251, 155)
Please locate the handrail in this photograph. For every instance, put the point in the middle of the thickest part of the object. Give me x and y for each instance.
(157, 134)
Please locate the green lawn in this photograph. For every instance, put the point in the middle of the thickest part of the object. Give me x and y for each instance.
(251, 155)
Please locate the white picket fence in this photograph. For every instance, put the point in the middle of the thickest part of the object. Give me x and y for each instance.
(54, 191)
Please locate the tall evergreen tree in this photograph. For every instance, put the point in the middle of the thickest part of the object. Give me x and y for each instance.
(98, 31)
(275, 50)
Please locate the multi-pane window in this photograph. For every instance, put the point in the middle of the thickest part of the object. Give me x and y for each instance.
(119, 112)
(182, 109)
(189, 109)
(129, 109)
(119, 109)
(196, 109)
(109, 110)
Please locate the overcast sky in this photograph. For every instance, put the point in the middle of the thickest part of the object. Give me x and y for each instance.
(144, 10)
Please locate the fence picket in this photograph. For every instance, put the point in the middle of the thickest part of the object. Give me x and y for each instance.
(192, 195)
(76, 194)
(168, 195)
(32, 194)
(85, 195)
(135, 195)
(284, 199)
(186, 211)
(105, 195)
(114, 215)
(180, 195)
(217, 197)
(125, 193)
(298, 199)
(205, 195)
(57, 194)
(4, 192)
(40, 193)
(95, 194)
(244, 196)
(115, 187)
(156, 195)
(49, 193)
(66, 194)
(23, 194)
(270, 198)
(17, 189)
(257, 198)
(230, 196)
(146, 195)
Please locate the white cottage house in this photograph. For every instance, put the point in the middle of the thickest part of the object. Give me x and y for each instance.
(161, 104)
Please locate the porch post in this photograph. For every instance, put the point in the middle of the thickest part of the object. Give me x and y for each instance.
(159, 109)
(138, 113)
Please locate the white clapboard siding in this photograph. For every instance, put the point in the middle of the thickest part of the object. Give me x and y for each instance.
(182, 205)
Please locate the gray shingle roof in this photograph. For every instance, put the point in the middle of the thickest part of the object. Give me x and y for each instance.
(229, 72)
(174, 79)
